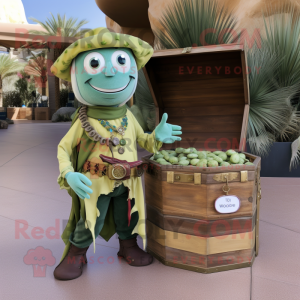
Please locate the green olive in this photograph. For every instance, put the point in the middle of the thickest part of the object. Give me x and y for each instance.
(212, 163)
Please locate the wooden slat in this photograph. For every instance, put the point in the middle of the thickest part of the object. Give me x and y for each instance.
(156, 247)
(208, 261)
(210, 124)
(217, 48)
(183, 199)
(197, 201)
(229, 258)
(206, 67)
(153, 191)
(210, 110)
(209, 178)
(244, 128)
(245, 77)
(242, 190)
(232, 242)
(201, 245)
(222, 91)
(201, 228)
(177, 256)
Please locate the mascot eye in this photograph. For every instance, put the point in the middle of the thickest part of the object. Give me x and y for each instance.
(121, 61)
(94, 63)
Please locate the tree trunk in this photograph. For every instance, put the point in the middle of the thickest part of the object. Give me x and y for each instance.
(1, 94)
(57, 93)
(43, 91)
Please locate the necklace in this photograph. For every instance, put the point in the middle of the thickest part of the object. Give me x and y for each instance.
(93, 134)
(120, 130)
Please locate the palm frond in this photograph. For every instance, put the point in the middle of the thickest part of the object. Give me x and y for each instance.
(188, 23)
(295, 159)
(9, 66)
(60, 26)
(144, 101)
(271, 114)
(282, 37)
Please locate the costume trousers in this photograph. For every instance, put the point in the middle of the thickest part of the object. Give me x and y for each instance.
(82, 237)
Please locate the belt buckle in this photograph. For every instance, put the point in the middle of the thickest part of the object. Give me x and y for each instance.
(118, 171)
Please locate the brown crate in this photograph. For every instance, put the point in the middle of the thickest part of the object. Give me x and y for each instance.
(42, 113)
(212, 108)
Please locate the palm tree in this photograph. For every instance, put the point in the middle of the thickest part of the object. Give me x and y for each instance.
(60, 26)
(37, 67)
(8, 66)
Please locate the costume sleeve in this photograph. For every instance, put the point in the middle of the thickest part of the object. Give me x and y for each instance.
(145, 140)
(64, 151)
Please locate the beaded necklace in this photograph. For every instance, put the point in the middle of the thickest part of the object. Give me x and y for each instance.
(120, 130)
(95, 136)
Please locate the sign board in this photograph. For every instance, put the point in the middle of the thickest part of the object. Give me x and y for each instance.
(227, 204)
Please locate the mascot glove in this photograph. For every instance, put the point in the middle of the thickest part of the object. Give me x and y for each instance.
(166, 133)
(78, 183)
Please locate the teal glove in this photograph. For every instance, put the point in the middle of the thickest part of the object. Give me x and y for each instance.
(76, 182)
(166, 133)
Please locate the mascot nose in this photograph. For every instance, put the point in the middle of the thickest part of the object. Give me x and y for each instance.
(110, 70)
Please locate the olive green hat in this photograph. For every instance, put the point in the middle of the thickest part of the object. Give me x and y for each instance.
(101, 38)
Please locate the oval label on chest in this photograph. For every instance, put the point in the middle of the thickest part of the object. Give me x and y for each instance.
(227, 204)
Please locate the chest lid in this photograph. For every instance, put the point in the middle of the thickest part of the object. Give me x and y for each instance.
(205, 91)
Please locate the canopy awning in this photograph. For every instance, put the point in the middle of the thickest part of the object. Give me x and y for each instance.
(17, 36)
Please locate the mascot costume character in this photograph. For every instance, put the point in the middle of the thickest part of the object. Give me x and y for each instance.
(98, 155)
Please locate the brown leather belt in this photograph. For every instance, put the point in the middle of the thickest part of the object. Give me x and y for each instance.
(115, 170)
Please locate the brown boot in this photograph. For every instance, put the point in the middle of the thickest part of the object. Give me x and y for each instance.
(71, 266)
(133, 254)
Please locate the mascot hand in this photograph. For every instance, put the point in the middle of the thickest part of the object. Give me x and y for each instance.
(78, 183)
(166, 133)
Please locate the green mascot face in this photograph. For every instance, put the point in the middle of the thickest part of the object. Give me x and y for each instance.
(104, 77)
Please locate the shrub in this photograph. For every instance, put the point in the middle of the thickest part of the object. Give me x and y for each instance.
(64, 96)
(12, 99)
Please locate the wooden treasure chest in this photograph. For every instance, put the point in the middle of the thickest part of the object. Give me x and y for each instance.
(203, 219)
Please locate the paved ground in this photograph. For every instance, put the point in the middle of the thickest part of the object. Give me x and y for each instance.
(30, 198)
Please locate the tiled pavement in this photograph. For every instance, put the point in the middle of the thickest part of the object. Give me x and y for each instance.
(29, 193)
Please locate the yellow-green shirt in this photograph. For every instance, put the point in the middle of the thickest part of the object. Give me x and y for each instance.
(103, 185)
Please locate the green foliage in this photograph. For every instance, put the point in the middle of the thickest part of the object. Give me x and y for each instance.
(189, 23)
(144, 103)
(24, 87)
(272, 117)
(64, 95)
(60, 26)
(282, 39)
(274, 89)
(9, 66)
(12, 99)
(139, 117)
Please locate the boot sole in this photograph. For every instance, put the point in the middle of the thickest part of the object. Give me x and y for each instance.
(134, 265)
